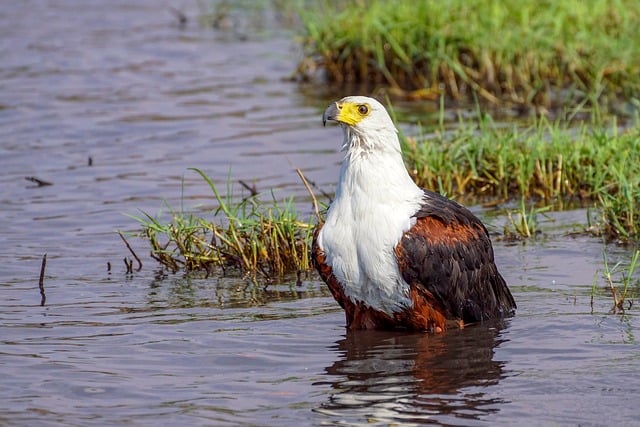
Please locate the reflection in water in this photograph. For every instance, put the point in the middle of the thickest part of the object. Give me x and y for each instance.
(391, 377)
(190, 291)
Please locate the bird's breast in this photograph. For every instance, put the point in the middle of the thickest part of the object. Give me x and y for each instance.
(358, 241)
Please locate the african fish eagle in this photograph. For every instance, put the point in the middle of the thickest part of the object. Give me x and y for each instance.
(395, 255)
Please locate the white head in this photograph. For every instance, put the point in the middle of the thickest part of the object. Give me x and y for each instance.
(365, 122)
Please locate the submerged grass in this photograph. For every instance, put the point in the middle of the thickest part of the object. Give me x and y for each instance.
(519, 51)
(262, 240)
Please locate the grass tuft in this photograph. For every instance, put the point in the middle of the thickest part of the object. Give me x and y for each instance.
(523, 222)
(622, 275)
(621, 211)
(262, 240)
(547, 161)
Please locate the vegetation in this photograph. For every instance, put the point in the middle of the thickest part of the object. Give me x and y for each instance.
(523, 223)
(547, 161)
(543, 53)
(621, 210)
(621, 274)
(260, 240)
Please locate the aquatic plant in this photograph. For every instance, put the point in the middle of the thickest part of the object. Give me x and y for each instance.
(261, 240)
(523, 222)
(521, 52)
(620, 274)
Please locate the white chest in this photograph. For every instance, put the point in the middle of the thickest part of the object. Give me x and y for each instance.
(373, 207)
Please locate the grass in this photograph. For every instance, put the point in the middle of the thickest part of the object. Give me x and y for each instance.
(529, 52)
(523, 222)
(620, 278)
(621, 211)
(264, 240)
(547, 161)
(261, 240)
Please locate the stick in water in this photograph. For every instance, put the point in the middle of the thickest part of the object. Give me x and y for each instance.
(43, 298)
(132, 252)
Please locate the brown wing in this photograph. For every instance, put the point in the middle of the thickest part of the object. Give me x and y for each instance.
(448, 256)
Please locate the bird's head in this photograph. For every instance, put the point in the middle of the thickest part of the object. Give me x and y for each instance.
(365, 121)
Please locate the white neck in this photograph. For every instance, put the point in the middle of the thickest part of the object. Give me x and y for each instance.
(377, 171)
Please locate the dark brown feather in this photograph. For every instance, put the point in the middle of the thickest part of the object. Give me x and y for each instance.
(448, 256)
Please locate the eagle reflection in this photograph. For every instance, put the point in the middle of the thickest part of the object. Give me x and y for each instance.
(392, 377)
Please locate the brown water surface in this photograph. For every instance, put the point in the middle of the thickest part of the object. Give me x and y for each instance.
(122, 84)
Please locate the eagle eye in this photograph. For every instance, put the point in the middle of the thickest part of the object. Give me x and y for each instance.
(363, 109)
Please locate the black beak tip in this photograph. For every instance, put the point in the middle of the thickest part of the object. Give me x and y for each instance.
(329, 114)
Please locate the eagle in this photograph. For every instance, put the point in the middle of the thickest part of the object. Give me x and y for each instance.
(396, 256)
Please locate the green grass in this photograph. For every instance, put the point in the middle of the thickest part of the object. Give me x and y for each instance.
(621, 208)
(261, 240)
(548, 161)
(620, 280)
(545, 160)
(523, 222)
(518, 51)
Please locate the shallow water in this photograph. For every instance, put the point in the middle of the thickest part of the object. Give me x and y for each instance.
(125, 86)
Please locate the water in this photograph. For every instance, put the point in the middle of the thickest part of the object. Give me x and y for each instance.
(122, 84)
